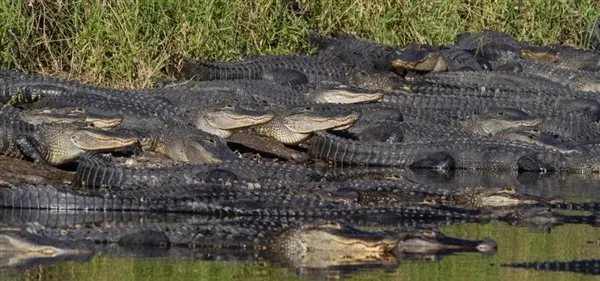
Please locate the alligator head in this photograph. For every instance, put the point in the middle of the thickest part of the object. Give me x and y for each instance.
(499, 119)
(485, 197)
(430, 241)
(63, 143)
(220, 119)
(298, 124)
(331, 243)
(197, 147)
(420, 57)
(344, 94)
(20, 251)
(71, 115)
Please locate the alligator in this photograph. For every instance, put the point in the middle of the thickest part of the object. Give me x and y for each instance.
(160, 126)
(222, 119)
(296, 124)
(476, 41)
(20, 251)
(507, 126)
(56, 144)
(96, 170)
(587, 267)
(420, 57)
(316, 69)
(17, 88)
(580, 80)
(494, 84)
(387, 193)
(321, 243)
(71, 115)
(353, 50)
(460, 153)
(569, 102)
(564, 57)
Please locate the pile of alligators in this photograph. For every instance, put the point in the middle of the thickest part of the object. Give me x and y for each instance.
(288, 156)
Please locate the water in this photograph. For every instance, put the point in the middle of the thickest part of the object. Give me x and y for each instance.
(515, 244)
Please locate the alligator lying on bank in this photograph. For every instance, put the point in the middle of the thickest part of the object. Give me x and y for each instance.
(588, 267)
(317, 70)
(56, 144)
(445, 153)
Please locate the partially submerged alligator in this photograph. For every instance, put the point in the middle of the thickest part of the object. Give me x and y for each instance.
(588, 267)
(317, 244)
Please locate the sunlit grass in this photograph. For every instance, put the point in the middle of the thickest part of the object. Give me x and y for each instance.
(131, 43)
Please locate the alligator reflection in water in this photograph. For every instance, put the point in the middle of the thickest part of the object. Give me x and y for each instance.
(307, 245)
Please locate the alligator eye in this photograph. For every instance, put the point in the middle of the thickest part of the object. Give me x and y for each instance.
(510, 189)
(499, 113)
(429, 201)
(332, 225)
(429, 233)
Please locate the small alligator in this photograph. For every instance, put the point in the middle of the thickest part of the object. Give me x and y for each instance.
(587, 267)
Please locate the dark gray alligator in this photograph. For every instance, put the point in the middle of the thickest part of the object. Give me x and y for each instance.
(98, 171)
(466, 153)
(317, 70)
(587, 267)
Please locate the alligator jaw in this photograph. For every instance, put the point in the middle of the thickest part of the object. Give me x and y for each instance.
(416, 58)
(432, 241)
(324, 244)
(87, 139)
(308, 123)
(228, 120)
(344, 94)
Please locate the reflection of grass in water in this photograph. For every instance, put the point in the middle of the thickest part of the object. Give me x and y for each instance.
(515, 245)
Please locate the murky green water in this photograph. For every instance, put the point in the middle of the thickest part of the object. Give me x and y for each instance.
(515, 244)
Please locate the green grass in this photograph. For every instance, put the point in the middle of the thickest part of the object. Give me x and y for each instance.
(129, 44)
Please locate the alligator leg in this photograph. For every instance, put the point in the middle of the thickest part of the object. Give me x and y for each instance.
(30, 147)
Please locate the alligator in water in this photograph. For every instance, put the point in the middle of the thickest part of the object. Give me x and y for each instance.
(305, 244)
(587, 267)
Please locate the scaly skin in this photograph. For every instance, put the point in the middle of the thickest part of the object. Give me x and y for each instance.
(169, 132)
(564, 57)
(362, 53)
(579, 80)
(297, 124)
(95, 171)
(57, 143)
(316, 69)
(468, 153)
(587, 267)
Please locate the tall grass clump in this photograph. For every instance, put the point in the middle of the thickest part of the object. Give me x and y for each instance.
(130, 43)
